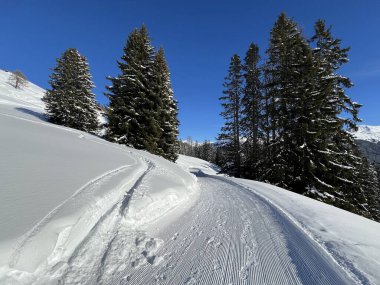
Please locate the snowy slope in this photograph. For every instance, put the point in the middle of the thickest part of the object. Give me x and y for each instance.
(28, 96)
(76, 209)
(58, 183)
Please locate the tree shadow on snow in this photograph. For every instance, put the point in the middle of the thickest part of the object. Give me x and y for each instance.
(38, 115)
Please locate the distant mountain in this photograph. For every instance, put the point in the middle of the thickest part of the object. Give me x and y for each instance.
(368, 140)
(368, 133)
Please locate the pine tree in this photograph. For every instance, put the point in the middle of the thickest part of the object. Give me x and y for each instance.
(70, 101)
(168, 113)
(134, 105)
(369, 189)
(231, 103)
(252, 105)
(186, 147)
(288, 103)
(207, 151)
(346, 176)
(295, 119)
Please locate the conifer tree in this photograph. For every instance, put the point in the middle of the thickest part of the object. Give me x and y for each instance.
(295, 119)
(167, 115)
(230, 134)
(70, 101)
(134, 105)
(369, 189)
(289, 100)
(207, 151)
(346, 175)
(252, 104)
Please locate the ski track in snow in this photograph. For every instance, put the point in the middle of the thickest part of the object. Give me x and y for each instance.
(231, 236)
(88, 260)
(89, 187)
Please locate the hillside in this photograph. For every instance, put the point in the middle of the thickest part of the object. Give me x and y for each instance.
(76, 209)
(56, 183)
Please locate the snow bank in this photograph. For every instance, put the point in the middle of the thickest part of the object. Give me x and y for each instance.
(192, 163)
(166, 186)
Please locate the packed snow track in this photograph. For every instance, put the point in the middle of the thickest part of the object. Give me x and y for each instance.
(230, 236)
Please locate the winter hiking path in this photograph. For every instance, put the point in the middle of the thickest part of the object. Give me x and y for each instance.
(230, 236)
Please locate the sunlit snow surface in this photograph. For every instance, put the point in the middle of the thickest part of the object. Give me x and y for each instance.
(76, 209)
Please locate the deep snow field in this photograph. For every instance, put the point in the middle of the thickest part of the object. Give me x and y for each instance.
(75, 209)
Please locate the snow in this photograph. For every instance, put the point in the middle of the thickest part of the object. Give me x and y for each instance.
(29, 96)
(352, 240)
(190, 164)
(57, 183)
(368, 133)
(79, 210)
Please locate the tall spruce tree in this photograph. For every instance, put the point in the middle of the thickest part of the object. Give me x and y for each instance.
(289, 103)
(252, 107)
(168, 113)
(207, 151)
(230, 134)
(70, 101)
(134, 106)
(346, 175)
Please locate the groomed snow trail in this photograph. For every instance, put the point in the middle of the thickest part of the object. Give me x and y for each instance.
(230, 236)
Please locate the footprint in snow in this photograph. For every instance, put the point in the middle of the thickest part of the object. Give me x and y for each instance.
(148, 248)
(175, 236)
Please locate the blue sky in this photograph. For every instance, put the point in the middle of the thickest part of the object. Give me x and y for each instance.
(199, 37)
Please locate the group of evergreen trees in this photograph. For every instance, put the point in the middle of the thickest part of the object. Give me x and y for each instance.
(204, 150)
(142, 112)
(287, 120)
